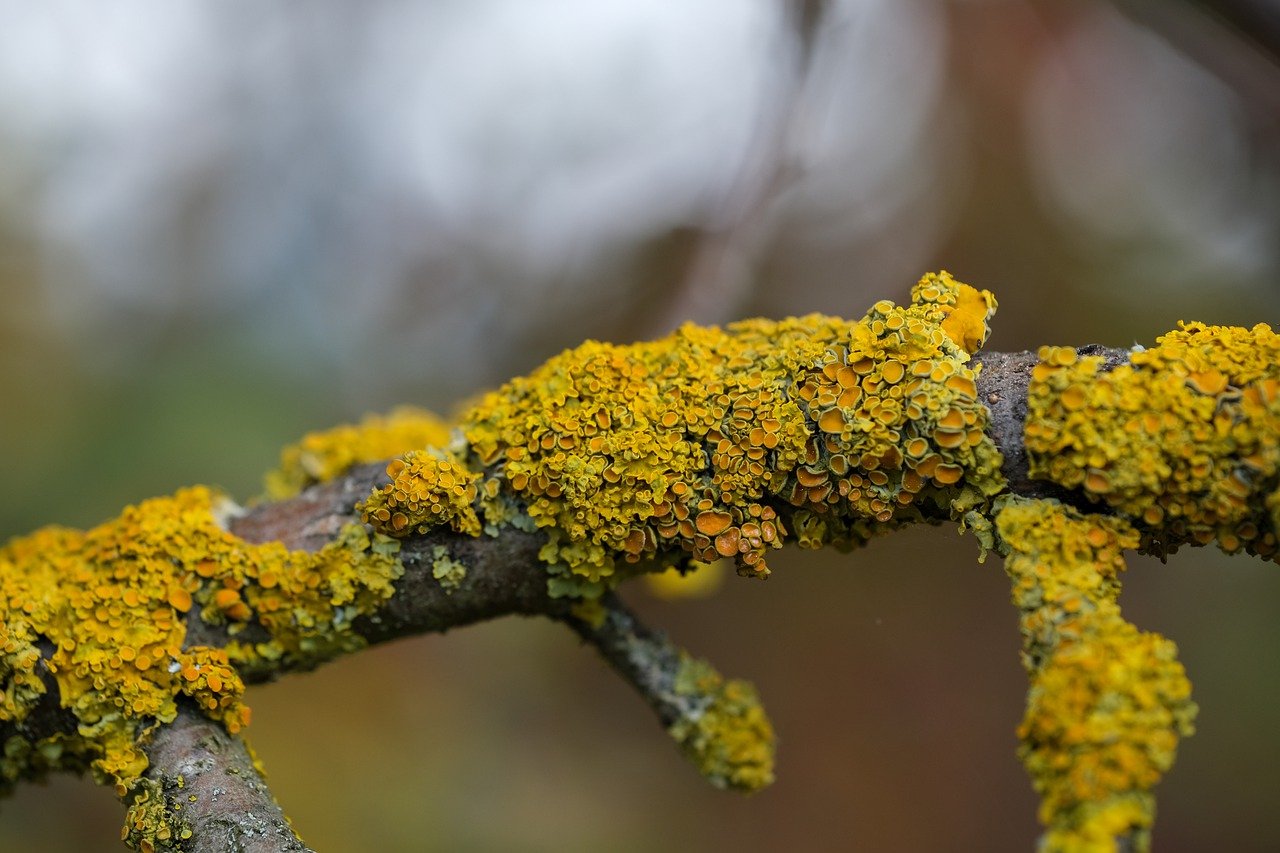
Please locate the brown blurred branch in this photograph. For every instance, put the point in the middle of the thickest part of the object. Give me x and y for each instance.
(1254, 21)
(1236, 40)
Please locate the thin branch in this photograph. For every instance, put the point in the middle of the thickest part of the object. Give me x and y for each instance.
(644, 658)
(718, 724)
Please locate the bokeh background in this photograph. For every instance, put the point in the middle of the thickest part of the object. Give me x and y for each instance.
(225, 223)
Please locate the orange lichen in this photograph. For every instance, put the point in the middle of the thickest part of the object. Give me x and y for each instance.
(102, 611)
(1107, 702)
(427, 489)
(720, 442)
(321, 456)
(1184, 438)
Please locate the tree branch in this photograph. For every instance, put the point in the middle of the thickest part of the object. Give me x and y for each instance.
(204, 791)
(876, 425)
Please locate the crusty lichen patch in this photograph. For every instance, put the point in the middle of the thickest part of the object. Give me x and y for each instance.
(104, 612)
(1185, 439)
(729, 442)
(726, 734)
(1107, 702)
(320, 456)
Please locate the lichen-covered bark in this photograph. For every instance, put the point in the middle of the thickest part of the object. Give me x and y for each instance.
(1108, 702)
(118, 643)
(1003, 379)
(1181, 439)
(718, 723)
(202, 793)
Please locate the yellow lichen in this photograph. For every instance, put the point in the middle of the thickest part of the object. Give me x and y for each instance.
(968, 310)
(726, 735)
(321, 456)
(150, 824)
(427, 489)
(104, 613)
(721, 442)
(1107, 702)
(1184, 439)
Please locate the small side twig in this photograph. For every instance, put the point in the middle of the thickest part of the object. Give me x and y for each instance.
(718, 724)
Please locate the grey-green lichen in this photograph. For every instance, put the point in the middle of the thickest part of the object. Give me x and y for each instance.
(1107, 702)
(725, 732)
(448, 571)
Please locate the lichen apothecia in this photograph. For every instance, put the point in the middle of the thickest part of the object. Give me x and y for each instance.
(1183, 439)
(730, 442)
(708, 444)
(104, 612)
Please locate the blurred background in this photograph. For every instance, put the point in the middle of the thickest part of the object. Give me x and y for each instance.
(224, 224)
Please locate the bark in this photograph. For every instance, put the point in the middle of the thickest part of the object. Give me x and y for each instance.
(212, 790)
(207, 777)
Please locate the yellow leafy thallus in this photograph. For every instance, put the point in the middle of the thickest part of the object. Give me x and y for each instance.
(708, 444)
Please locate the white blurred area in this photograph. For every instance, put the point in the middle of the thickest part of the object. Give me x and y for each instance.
(432, 179)
(389, 201)
(388, 190)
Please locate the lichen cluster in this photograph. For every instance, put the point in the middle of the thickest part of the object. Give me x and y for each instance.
(321, 456)
(729, 442)
(1185, 439)
(428, 488)
(445, 569)
(710, 444)
(153, 820)
(1107, 702)
(727, 734)
(105, 614)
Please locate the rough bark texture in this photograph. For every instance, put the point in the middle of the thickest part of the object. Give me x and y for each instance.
(1002, 387)
(211, 786)
(645, 658)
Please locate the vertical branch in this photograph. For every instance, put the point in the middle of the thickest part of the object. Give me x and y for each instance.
(719, 273)
(1107, 702)
(204, 791)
